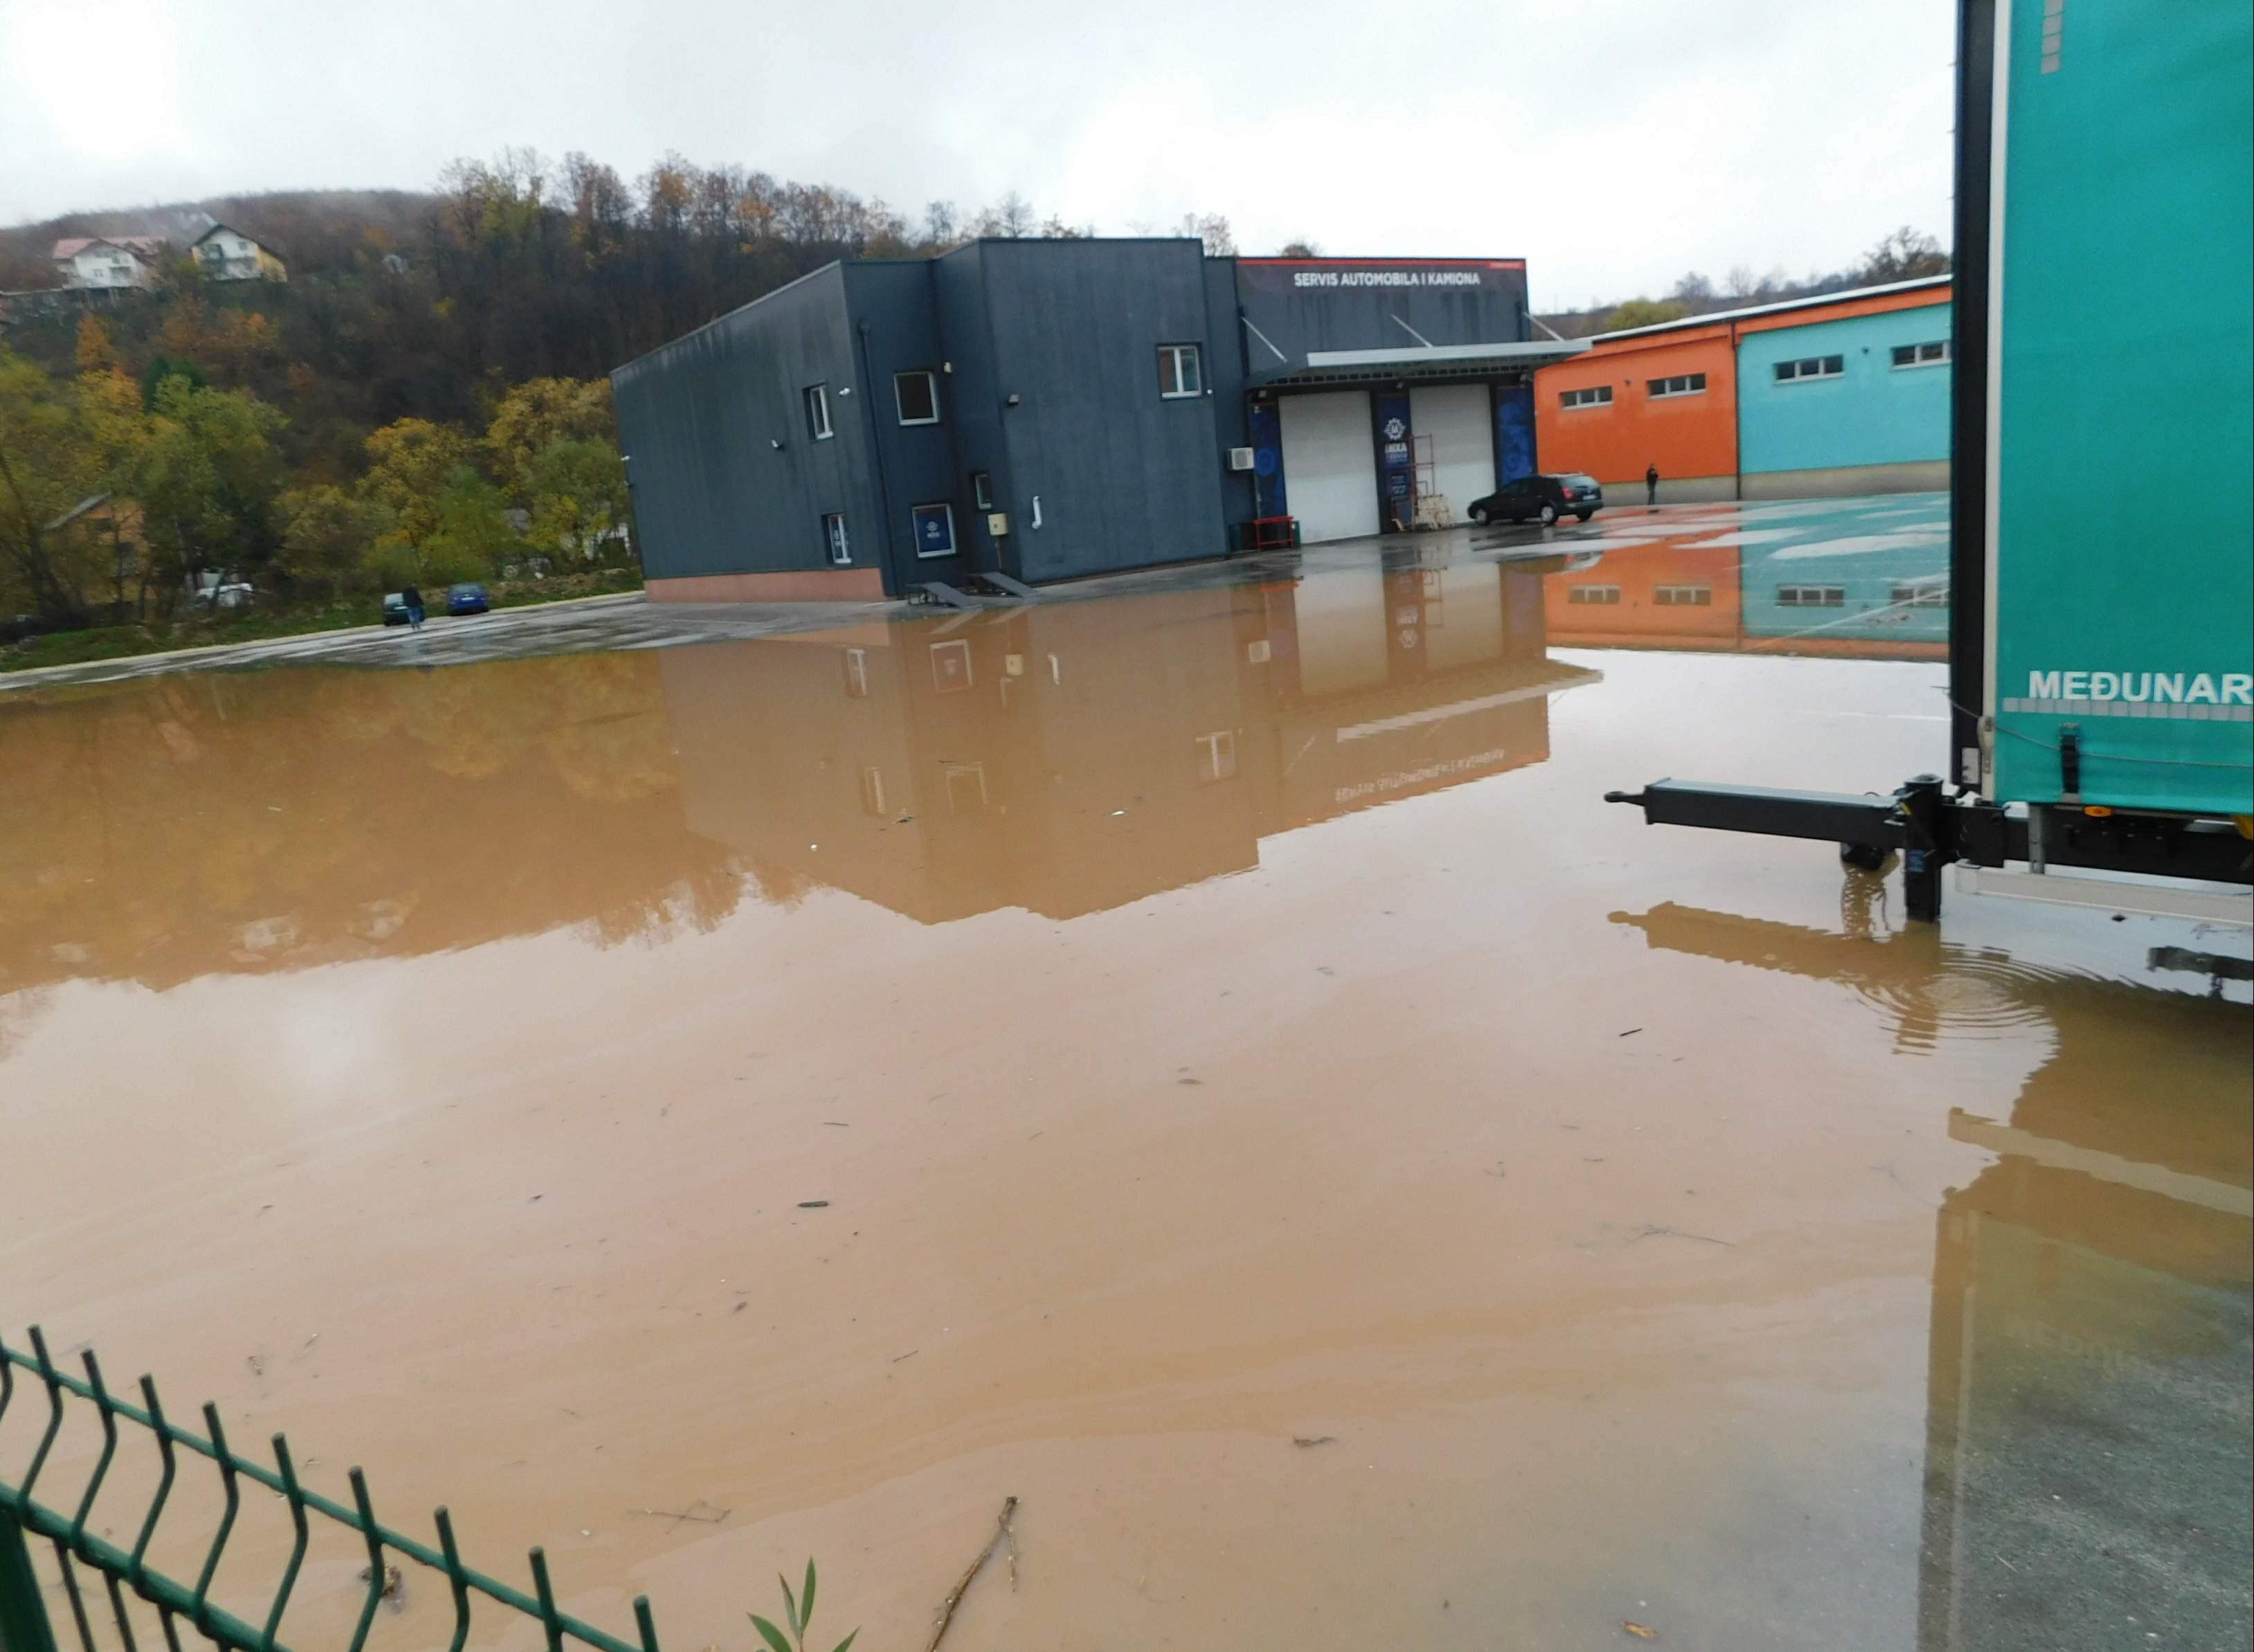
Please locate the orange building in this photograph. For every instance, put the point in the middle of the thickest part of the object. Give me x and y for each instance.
(1678, 396)
(1618, 409)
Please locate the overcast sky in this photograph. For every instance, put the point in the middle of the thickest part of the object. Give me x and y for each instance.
(1614, 144)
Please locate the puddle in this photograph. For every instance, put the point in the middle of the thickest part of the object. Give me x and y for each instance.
(835, 1081)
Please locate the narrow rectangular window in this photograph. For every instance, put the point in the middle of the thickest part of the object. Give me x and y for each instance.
(1684, 596)
(1594, 595)
(1217, 755)
(1679, 384)
(1921, 355)
(934, 527)
(1180, 373)
(1811, 596)
(817, 412)
(1812, 367)
(834, 542)
(1595, 395)
(982, 490)
(916, 394)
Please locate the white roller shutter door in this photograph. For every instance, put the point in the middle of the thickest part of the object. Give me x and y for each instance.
(1460, 420)
(1330, 464)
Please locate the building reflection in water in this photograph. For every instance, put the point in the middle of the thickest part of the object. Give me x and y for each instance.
(1068, 757)
(1861, 580)
(2087, 1449)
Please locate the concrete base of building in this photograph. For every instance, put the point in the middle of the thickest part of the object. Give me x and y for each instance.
(1844, 481)
(796, 585)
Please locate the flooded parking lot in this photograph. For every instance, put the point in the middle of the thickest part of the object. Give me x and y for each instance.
(1196, 1055)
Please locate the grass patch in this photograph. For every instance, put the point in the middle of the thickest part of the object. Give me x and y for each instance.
(260, 625)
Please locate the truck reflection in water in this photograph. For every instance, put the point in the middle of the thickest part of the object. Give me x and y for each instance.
(1074, 756)
(2087, 1452)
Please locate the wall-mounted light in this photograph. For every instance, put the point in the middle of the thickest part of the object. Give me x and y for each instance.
(844, 389)
(1009, 400)
(775, 442)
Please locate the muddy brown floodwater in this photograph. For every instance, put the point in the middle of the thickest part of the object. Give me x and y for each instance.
(820, 1086)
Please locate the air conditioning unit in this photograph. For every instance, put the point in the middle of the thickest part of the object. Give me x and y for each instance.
(1239, 459)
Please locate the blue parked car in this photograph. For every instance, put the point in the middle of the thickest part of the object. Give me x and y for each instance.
(468, 598)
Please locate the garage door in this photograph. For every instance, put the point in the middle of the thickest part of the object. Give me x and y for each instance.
(1462, 424)
(1330, 465)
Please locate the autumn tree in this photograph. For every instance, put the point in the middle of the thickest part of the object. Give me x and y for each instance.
(1645, 313)
(327, 536)
(577, 491)
(472, 535)
(539, 413)
(1906, 254)
(46, 466)
(96, 351)
(1211, 228)
(409, 464)
(206, 477)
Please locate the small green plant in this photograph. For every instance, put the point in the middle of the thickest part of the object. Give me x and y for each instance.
(799, 1611)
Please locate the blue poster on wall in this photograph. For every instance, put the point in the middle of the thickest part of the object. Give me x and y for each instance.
(1513, 433)
(935, 529)
(1268, 461)
(1396, 466)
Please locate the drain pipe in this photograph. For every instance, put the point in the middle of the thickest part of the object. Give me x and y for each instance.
(877, 454)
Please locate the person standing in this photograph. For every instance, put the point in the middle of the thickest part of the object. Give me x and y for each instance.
(413, 599)
(1650, 486)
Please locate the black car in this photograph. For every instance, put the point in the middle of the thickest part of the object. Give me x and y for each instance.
(1543, 498)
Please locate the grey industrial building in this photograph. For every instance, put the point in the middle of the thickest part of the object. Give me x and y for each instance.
(1053, 408)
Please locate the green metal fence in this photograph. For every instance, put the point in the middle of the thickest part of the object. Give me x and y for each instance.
(25, 1624)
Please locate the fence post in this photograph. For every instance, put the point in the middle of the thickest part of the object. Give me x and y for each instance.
(23, 1625)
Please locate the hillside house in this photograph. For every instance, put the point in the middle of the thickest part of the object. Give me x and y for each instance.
(108, 261)
(226, 254)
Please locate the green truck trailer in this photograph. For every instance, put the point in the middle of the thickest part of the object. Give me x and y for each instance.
(2102, 627)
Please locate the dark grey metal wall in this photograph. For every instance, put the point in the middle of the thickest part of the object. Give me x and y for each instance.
(896, 329)
(699, 419)
(1225, 370)
(1125, 478)
(1297, 308)
(959, 294)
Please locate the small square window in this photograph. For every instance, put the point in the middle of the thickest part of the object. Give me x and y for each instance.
(916, 394)
(834, 541)
(1180, 373)
(817, 412)
(933, 527)
(982, 490)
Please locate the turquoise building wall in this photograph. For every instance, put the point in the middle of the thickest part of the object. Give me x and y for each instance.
(1874, 413)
